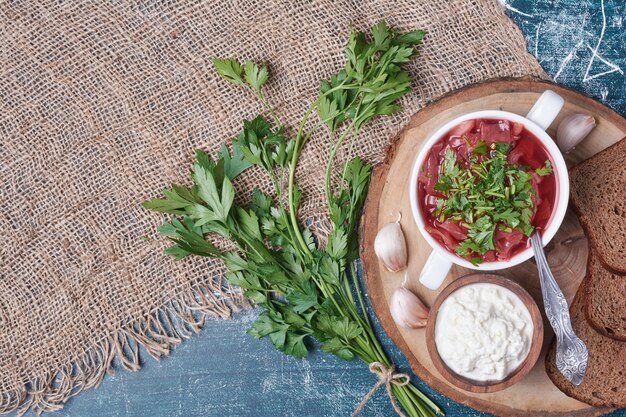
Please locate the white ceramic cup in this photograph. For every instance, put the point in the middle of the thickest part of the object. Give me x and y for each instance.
(540, 116)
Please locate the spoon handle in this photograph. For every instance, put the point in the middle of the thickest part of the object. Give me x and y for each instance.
(572, 360)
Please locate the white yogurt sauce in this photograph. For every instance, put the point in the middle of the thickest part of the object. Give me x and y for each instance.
(483, 331)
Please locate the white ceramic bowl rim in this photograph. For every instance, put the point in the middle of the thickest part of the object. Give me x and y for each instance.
(559, 167)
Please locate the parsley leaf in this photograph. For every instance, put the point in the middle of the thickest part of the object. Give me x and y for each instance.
(481, 148)
(230, 69)
(235, 164)
(255, 75)
(545, 170)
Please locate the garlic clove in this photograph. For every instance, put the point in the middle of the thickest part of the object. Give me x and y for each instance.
(407, 310)
(390, 247)
(572, 130)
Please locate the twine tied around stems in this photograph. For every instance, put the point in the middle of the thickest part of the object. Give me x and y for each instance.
(386, 376)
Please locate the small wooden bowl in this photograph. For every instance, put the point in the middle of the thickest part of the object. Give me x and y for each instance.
(513, 377)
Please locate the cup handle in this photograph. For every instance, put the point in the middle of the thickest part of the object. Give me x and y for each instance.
(435, 270)
(545, 109)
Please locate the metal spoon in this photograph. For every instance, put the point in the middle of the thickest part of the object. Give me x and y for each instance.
(571, 352)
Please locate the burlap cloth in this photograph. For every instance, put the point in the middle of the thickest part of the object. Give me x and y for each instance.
(102, 105)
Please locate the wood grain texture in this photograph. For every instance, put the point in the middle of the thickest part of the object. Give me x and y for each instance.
(224, 372)
(483, 387)
(389, 194)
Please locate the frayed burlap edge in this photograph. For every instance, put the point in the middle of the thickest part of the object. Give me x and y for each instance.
(158, 333)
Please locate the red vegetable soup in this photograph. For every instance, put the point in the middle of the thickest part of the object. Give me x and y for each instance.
(484, 187)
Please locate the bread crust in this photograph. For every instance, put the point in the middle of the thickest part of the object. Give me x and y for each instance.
(588, 303)
(585, 221)
(604, 384)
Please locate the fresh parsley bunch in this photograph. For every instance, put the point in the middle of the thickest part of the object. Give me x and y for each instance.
(306, 290)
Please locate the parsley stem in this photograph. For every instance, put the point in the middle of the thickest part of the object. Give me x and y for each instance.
(425, 399)
(259, 95)
(347, 289)
(294, 163)
(321, 284)
(495, 194)
(355, 133)
(351, 305)
(364, 319)
(331, 158)
(292, 175)
(404, 399)
(274, 180)
(357, 289)
(360, 353)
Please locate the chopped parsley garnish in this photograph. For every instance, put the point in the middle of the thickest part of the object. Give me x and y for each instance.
(484, 195)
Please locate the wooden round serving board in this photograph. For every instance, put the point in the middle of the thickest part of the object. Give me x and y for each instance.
(567, 253)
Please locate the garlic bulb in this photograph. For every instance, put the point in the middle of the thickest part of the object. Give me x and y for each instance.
(407, 309)
(572, 130)
(390, 246)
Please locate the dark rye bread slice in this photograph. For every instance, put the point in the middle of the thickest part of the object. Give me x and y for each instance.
(605, 299)
(598, 193)
(604, 384)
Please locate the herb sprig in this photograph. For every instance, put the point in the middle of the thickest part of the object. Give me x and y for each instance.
(305, 289)
(484, 195)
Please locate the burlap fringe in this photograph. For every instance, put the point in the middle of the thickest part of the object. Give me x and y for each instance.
(157, 333)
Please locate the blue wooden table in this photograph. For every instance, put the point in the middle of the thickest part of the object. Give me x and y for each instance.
(224, 372)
